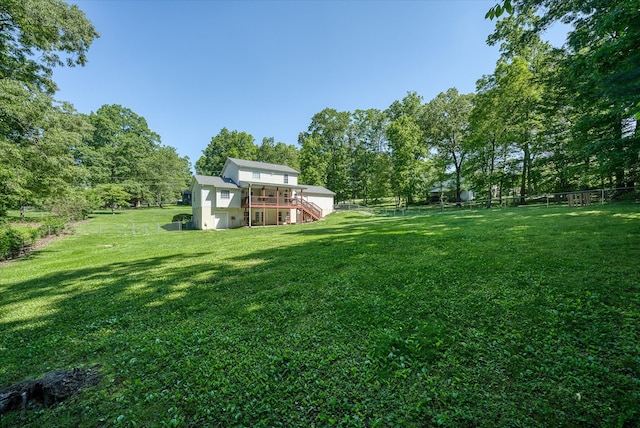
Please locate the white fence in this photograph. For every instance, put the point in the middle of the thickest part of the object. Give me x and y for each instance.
(91, 228)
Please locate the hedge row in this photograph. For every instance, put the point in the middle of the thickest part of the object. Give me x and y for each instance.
(15, 242)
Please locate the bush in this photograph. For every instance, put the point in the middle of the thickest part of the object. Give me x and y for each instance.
(184, 218)
(52, 226)
(14, 242)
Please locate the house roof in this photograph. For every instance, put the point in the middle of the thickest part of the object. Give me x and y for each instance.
(219, 182)
(317, 190)
(261, 165)
(245, 184)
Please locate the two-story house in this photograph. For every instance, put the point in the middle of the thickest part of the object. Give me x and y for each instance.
(249, 193)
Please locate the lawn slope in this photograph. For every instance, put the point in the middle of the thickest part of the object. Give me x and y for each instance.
(517, 317)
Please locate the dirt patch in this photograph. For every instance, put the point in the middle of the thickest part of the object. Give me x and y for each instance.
(50, 389)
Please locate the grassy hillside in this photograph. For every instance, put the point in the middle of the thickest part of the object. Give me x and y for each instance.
(518, 317)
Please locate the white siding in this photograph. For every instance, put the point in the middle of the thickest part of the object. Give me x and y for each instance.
(231, 171)
(268, 177)
(324, 202)
(234, 200)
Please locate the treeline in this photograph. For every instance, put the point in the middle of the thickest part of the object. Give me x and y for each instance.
(54, 157)
(546, 120)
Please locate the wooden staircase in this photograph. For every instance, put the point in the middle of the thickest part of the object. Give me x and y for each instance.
(309, 210)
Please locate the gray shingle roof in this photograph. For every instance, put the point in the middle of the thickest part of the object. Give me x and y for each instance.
(318, 190)
(262, 166)
(219, 182)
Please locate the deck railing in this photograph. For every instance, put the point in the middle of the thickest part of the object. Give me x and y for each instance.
(282, 202)
(270, 201)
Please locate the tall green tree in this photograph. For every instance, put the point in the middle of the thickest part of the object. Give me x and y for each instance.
(38, 35)
(36, 141)
(35, 131)
(369, 148)
(521, 71)
(278, 153)
(328, 134)
(110, 195)
(313, 160)
(602, 72)
(407, 151)
(227, 144)
(168, 174)
(448, 128)
(121, 143)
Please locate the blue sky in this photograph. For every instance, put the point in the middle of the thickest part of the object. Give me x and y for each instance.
(191, 68)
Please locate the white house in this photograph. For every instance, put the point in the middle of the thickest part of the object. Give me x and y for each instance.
(250, 193)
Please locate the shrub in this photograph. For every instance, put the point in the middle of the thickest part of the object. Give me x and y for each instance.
(14, 242)
(52, 226)
(184, 218)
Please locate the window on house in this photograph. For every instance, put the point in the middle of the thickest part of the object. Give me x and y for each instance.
(258, 216)
(286, 179)
(256, 174)
(224, 194)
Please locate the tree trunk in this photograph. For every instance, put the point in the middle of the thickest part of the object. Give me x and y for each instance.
(491, 169)
(525, 168)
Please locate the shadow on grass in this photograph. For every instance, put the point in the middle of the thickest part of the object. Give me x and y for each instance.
(327, 318)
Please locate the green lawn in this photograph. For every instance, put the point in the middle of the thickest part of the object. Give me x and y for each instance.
(507, 317)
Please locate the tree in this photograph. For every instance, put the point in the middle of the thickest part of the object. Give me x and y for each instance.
(328, 142)
(369, 150)
(110, 195)
(227, 144)
(169, 174)
(122, 141)
(602, 72)
(447, 118)
(405, 138)
(36, 138)
(313, 160)
(521, 73)
(280, 153)
(37, 35)
(35, 131)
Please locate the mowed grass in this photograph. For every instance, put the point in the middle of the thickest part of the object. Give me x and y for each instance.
(515, 317)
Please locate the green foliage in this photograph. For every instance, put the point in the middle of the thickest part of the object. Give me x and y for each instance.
(52, 226)
(405, 137)
(448, 130)
(227, 144)
(13, 241)
(16, 241)
(110, 195)
(325, 154)
(278, 153)
(38, 35)
(36, 135)
(183, 218)
(596, 77)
